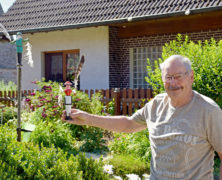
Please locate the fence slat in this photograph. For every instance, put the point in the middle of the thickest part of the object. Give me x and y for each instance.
(124, 105)
(149, 93)
(5, 97)
(86, 91)
(136, 96)
(117, 101)
(13, 97)
(130, 107)
(1, 96)
(91, 92)
(107, 95)
(9, 100)
(142, 95)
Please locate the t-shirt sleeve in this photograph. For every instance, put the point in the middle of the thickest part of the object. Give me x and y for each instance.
(214, 130)
(141, 115)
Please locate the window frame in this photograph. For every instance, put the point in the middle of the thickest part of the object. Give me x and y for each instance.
(64, 66)
(149, 54)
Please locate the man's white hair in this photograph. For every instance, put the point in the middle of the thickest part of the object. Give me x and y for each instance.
(180, 58)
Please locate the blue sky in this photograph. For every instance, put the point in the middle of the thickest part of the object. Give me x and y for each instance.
(6, 4)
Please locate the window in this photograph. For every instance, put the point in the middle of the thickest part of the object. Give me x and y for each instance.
(61, 65)
(138, 63)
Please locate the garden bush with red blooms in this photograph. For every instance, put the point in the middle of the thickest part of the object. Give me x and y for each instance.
(47, 99)
(51, 130)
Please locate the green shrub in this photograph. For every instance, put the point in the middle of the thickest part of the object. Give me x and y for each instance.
(27, 161)
(136, 144)
(217, 165)
(8, 172)
(111, 107)
(93, 141)
(9, 113)
(139, 145)
(206, 58)
(56, 134)
(128, 164)
(91, 168)
(120, 143)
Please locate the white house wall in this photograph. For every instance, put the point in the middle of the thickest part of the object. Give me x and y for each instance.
(92, 43)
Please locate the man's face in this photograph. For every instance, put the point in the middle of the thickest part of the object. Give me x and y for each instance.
(177, 81)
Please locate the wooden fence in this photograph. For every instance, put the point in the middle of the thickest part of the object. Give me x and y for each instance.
(126, 101)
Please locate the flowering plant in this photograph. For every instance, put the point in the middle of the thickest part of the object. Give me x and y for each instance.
(108, 169)
(46, 99)
(133, 177)
(48, 105)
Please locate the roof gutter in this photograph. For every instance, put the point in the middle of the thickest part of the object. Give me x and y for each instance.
(118, 21)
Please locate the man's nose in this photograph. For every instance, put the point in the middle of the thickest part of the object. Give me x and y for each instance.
(173, 81)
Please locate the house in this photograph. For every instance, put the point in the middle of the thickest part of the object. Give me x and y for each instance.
(115, 36)
(7, 59)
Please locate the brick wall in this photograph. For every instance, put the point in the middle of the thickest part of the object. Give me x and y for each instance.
(119, 51)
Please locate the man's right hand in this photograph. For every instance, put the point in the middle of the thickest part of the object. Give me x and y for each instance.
(78, 117)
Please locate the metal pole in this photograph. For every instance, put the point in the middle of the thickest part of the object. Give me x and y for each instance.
(19, 74)
(19, 50)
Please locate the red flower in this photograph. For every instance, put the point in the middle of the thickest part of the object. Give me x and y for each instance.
(44, 115)
(47, 87)
(27, 100)
(48, 91)
(32, 94)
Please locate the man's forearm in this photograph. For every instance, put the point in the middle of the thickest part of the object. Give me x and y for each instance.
(114, 123)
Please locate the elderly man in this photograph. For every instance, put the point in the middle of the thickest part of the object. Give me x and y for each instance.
(185, 127)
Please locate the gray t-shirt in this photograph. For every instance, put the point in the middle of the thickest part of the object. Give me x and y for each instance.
(183, 140)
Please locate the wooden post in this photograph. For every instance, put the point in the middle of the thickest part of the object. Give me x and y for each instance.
(13, 97)
(124, 105)
(91, 93)
(117, 101)
(130, 106)
(5, 97)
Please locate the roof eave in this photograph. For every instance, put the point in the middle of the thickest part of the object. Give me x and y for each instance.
(116, 21)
